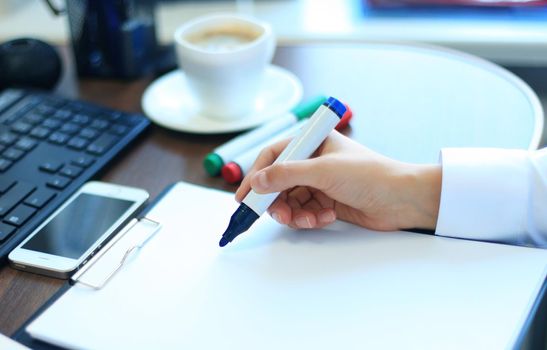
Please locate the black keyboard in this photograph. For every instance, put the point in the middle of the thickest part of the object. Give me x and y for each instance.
(50, 146)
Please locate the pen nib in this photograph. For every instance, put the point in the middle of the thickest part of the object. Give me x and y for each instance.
(223, 242)
(240, 222)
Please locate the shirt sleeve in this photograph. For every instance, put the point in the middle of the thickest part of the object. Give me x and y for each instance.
(494, 195)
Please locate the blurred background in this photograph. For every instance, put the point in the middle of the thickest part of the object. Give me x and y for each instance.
(512, 33)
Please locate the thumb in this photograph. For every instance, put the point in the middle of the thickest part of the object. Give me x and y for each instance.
(286, 175)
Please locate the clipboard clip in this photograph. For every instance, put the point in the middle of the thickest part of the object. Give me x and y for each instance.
(99, 271)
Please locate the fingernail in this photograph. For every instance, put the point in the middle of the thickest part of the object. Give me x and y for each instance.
(303, 222)
(276, 217)
(262, 180)
(327, 217)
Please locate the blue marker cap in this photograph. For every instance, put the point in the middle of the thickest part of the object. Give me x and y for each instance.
(335, 106)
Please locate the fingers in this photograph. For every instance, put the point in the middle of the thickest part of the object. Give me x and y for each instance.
(303, 208)
(335, 143)
(307, 219)
(280, 210)
(282, 176)
(266, 157)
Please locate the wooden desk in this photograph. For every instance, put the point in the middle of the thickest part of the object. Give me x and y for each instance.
(162, 157)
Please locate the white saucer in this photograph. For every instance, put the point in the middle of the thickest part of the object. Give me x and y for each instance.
(167, 102)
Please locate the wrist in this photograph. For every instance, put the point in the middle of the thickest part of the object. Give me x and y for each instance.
(420, 186)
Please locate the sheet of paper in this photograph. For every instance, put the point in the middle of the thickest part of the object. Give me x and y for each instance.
(8, 344)
(276, 288)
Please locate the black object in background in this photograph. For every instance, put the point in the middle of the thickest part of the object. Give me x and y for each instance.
(29, 63)
(113, 38)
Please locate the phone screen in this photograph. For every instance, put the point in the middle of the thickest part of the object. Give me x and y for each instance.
(78, 226)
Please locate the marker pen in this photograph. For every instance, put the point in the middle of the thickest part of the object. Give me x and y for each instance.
(214, 161)
(234, 171)
(301, 147)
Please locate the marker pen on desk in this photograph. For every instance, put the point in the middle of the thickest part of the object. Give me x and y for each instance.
(301, 147)
(237, 169)
(214, 161)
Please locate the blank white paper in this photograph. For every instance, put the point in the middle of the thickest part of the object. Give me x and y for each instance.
(276, 288)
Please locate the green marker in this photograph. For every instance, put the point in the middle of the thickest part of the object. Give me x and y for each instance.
(224, 154)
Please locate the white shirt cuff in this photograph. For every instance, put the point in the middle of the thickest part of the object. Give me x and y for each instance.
(484, 195)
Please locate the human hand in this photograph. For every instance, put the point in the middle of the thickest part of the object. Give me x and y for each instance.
(347, 181)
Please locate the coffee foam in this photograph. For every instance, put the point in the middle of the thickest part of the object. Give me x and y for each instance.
(223, 38)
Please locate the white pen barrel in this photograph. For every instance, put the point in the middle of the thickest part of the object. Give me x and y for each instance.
(312, 134)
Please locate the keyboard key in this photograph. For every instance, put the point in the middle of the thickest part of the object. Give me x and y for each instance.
(130, 120)
(71, 171)
(6, 231)
(81, 119)
(10, 116)
(13, 154)
(51, 123)
(114, 116)
(33, 118)
(9, 97)
(62, 114)
(119, 129)
(102, 144)
(70, 128)
(21, 127)
(77, 143)
(19, 215)
(58, 138)
(45, 110)
(54, 101)
(14, 113)
(33, 100)
(5, 185)
(19, 109)
(5, 164)
(26, 144)
(14, 195)
(7, 138)
(40, 132)
(58, 182)
(51, 166)
(99, 124)
(39, 198)
(83, 161)
(89, 133)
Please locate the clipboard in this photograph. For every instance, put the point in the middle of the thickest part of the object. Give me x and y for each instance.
(24, 338)
(108, 261)
(253, 267)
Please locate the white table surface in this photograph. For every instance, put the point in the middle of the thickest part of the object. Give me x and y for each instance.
(411, 101)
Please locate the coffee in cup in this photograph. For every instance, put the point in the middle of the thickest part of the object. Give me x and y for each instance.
(223, 39)
(224, 58)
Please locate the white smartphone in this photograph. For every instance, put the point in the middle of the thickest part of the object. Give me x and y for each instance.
(78, 229)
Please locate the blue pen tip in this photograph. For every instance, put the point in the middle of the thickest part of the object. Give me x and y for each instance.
(222, 242)
(240, 222)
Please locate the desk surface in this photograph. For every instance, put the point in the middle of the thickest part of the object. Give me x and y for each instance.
(162, 157)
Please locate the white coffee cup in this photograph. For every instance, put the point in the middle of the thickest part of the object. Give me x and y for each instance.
(224, 58)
